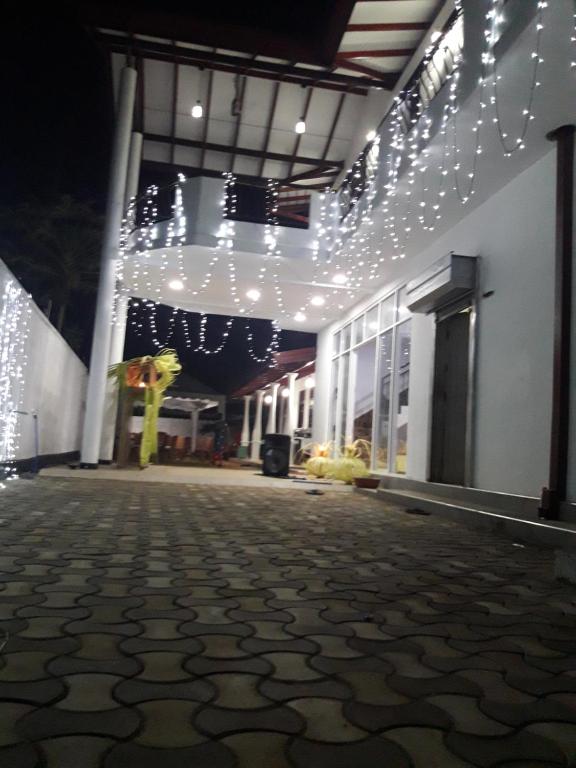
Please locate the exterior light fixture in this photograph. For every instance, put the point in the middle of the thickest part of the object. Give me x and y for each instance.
(339, 278)
(310, 382)
(253, 294)
(176, 285)
(371, 135)
(317, 301)
(197, 110)
(285, 392)
(268, 399)
(300, 317)
(300, 126)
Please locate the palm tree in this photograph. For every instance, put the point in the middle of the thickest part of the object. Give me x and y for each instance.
(54, 245)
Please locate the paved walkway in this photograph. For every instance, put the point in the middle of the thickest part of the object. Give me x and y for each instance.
(175, 626)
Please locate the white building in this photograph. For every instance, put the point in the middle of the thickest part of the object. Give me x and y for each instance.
(438, 276)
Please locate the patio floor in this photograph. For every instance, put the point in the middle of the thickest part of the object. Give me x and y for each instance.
(175, 625)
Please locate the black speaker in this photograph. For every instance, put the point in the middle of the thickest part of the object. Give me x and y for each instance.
(276, 455)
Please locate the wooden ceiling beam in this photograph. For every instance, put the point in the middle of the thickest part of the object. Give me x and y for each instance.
(399, 26)
(206, 118)
(244, 151)
(384, 53)
(269, 124)
(320, 78)
(333, 126)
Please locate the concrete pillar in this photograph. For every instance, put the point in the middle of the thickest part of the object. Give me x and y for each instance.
(272, 410)
(291, 411)
(245, 437)
(99, 358)
(194, 417)
(257, 430)
(118, 336)
(306, 415)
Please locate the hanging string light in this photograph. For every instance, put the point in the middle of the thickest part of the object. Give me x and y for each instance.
(15, 311)
(269, 356)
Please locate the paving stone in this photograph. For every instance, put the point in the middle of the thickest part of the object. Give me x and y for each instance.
(218, 722)
(120, 723)
(467, 716)
(517, 746)
(162, 667)
(19, 756)
(291, 667)
(203, 755)
(10, 714)
(370, 753)
(426, 748)
(132, 691)
(89, 693)
(237, 691)
(168, 724)
(259, 748)
(73, 751)
(324, 688)
(24, 666)
(221, 646)
(563, 735)
(372, 688)
(325, 721)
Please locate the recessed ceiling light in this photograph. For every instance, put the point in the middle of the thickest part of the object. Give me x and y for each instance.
(317, 301)
(300, 126)
(197, 110)
(299, 317)
(339, 278)
(176, 285)
(371, 135)
(253, 294)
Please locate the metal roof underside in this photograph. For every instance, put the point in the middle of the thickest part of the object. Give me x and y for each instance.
(252, 100)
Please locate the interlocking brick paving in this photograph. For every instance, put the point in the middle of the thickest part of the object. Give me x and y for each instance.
(178, 626)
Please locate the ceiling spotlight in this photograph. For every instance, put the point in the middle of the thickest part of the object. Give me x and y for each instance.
(371, 135)
(197, 110)
(300, 126)
(339, 278)
(176, 285)
(285, 392)
(436, 35)
(299, 317)
(253, 294)
(310, 382)
(317, 301)
(268, 399)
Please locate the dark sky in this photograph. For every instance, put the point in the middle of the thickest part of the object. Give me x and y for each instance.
(55, 136)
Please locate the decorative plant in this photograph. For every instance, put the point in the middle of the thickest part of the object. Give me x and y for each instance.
(146, 378)
(320, 462)
(352, 462)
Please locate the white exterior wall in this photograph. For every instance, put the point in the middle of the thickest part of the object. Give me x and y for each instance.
(54, 387)
(513, 233)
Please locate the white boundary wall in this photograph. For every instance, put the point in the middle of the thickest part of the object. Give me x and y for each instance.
(54, 387)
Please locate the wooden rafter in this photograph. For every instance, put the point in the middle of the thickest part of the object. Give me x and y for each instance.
(269, 123)
(238, 122)
(206, 118)
(244, 151)
(354, 67)
(320, 78)
(382, 53)
(399, 26)
(333, 126)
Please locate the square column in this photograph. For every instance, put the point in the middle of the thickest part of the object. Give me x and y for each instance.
(257, 429)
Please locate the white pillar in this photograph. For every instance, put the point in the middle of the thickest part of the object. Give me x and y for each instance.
(194, 416)
(245, 437)
(306, 415)
(118, 336)
(271, 425)
(99, 357)
(292, 412)
(257, 430)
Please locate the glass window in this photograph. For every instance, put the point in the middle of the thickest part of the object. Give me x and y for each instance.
(384, 395)
(403, 312)
(402, 377)
(359, 330)
(371, 322)
(336, 349)
(387, 316)
(346, 337)
(364, 391)
(345, 362)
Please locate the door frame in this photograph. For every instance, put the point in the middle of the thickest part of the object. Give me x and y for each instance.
(470, 301)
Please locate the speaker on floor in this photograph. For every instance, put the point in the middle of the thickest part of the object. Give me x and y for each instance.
(276, 455)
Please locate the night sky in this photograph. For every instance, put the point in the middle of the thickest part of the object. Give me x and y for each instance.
(55, 137)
